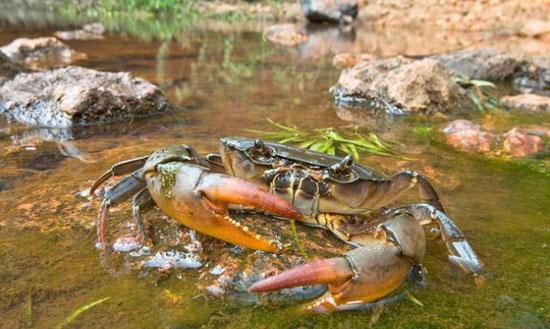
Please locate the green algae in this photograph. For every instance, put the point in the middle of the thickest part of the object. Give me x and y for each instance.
(168, 176)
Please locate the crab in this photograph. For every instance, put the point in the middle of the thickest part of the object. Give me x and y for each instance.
(182, 185)
(319, 190)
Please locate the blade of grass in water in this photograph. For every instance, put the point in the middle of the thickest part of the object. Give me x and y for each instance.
(413, 299)
(296, 239)
(79, 311)
(328, 140)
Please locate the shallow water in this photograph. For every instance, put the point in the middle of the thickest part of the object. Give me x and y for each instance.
(226, 80)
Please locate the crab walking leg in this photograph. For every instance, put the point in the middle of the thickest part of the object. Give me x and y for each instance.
(142, 202)
(117, 194)
(460, 251)
(119, 169)
(199, 199)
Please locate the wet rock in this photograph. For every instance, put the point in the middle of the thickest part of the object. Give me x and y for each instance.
(520, 143)
(78, 96)
(494, 65)
(45, 158)
(331, 11)
(481, 64)
(534, 74)
(347, 60)
(468, 136)
(528, 102)
(535, 28)
(45, 52)
(93, 31)
(400, 85)
(285, 34)
(8, 68)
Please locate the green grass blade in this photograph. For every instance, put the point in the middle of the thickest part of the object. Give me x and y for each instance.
(296, 239)
(79, 311)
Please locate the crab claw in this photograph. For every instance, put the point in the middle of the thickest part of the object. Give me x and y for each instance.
(363, 275)
(199, 199)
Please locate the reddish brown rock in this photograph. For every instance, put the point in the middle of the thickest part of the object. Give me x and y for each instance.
(519, 143)
(347, 60)
(285, 34)
(468, 136)
(45, 52)
(528, 102)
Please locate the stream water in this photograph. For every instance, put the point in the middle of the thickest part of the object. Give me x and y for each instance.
(225, 79)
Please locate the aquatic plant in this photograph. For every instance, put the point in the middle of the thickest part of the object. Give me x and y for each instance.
(328, 140)
(479, 94)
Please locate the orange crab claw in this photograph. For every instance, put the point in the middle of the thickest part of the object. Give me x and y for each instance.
(233, 190)
(324, 271)
(364, 275)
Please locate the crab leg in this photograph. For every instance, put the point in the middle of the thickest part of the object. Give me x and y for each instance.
(460, 251)
(141, 203)
(120, 192)
(119, 169)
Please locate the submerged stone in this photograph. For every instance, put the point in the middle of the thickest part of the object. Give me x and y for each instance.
(528, 102)
(78, 96)
(285, 34)
(468, 136)
(47, 52)
(520, 143)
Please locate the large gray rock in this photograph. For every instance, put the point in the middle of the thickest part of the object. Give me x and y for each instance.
(331, 11)
(47, 52)
(78, 96)
(400, 85)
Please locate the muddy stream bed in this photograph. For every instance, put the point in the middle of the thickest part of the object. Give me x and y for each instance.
(226, 79)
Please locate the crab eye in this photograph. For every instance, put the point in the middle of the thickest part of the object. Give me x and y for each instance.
(258, 144)
(343, 166)
(348, 161)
